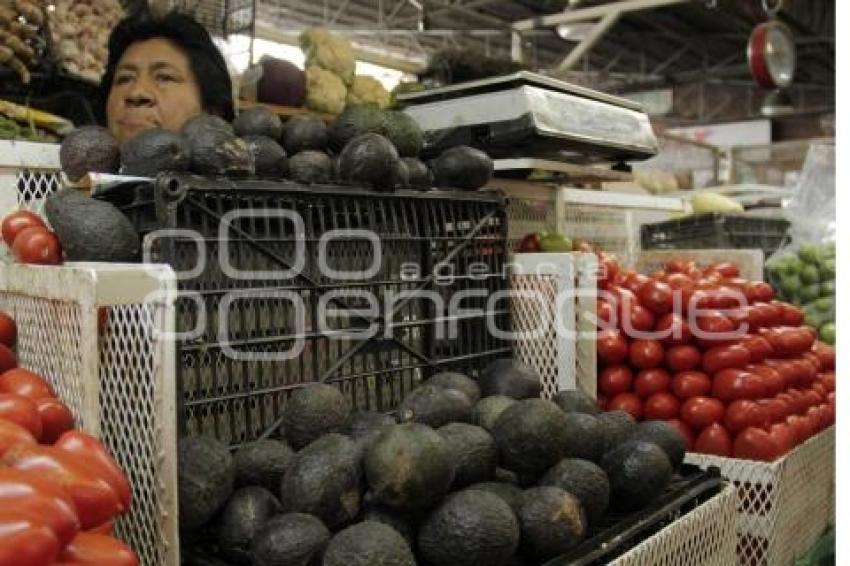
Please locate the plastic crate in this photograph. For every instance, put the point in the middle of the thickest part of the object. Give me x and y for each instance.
(749, 262)
(717, 231)
(117, 378)
(783, 507)
(418, 289)
(29, 172)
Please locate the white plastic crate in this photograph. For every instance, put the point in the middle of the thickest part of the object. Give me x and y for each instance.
(552, 295)
(750, 262)
(29, 172)
(703, 537)
(785, 506)
(118, 380)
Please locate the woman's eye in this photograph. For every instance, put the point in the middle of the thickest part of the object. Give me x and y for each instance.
(123, 79)
(166, 78)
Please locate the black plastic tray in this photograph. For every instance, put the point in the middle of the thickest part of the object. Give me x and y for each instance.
(716, 231)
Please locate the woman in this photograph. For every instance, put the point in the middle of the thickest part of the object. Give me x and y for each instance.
(162, 72)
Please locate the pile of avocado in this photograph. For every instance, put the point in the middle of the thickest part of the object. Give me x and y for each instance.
(365, 146)
(806, 277)
(468, 472)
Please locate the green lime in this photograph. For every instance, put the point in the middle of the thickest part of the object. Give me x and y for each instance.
(824, 304)
(827, 333)
(793, 266)
(790, 285)
(809, 293)
(827, 288)
(827, 269)
(808, 253)
(813, 319)
(809, 274)
(555, 242)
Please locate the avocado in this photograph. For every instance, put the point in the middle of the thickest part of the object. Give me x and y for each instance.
(638, 473)
(89, 149)
(487, 410)
(269, 157)
(473, 451)
(262, 463)
(215, 150)
(354, 121)
(457, 381)
(532, 436)
(586, 481)
(576, 401)
(408, 467)
(585, 439)
(616, 427)
(369, 160)
(470, 528)
(510, 377)
(293, 539)
(241, 519)
(663, 435)
(507, 492)
(324, 479)
(310, 167)
(435, 406)
(368, 544)
(154, 151)
(502, 475)
(258, 121)
(403, 132)
(205, 476)
(462, 167)
(403, 523)
(401, 177)
(551, 521)
(364, 426)
(304, 132)
(314, 410)
(90, 229)
(418, 174)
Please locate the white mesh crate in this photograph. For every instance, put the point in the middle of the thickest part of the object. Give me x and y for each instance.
(552, 296)
(785, 506)
(29, 172)
(530, 208)
(118, 380)
(750, 262)
(703, 537)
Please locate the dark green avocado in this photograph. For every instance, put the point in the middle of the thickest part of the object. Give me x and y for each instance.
(532, 436)
(457, 381)
(258, 121)
(205, 476)
(510, 378)
(473, 451)
(368, 544)
(435, 406)
(293, 539)
(586, 481)
(576, 401)
(638, 473)
(89, 149)
(552, 522)
(245, 514)
(487, 411)
(153, 152)
(314, 410)
(262, 463)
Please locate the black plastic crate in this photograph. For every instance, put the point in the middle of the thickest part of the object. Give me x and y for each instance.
(445, 246)
(716, 231)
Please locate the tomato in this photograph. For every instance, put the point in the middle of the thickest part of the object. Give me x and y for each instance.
(89, 449)
(689, 384)
(806, 371)
(791, 315)
(25, 539)
(783, 436)
(816, 418)
(24, 491)
(828, 380)
(730, 384)
(646, 354)
(678, 265)
(635, 281)
(684, 430)
(635, 317)
(814, 360)
(715, 440)
(775, 409)
(791, 341)
(725, 269)
(7, 359)
(650, 381)
(699, 412)
(826, 355)
(713, 329)
(725, 297)
(8, 330)
(611, 347)
(755, 444)
(56, 418)
(758, 347)
(37, 246)
(609, 268)
(723, 357)
(771, 314)
(799, 427)
(682, 358)
(25, 383)
(829, 407)
(18, 221)
(94, 549)
(21, 411)
(774, 383)
(11, 433)
(661, 407)
(628, 402)
(675, 328)
(758, 291)
(657, 296)
(743, 413)
(605, 314)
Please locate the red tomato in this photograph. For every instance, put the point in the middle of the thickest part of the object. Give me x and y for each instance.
(771, 314)
(682, 358)
(104, 529)
(828, 380)
(755, 444)
(730, 384)
(679, 281)
(758, 291)
(25, 383)
(684, 430)
(723, 357)
(661, 407)
(715, 440)
(18, 221)
(699, 412)
(646, 354)
(37, 246)
(11, 433)
(8, 330)
(56, 418)
(7, 359)
(91, 549)
(774, 383)
(816, 418)
(635, 317)
(806, 371)
(657, 296)
(758, 347)
(689, 384)
(89, 449)
(725, 269)
(791, 315)
(713, 329)
(611, 347)
(605, 314)
(678, 265)
(675, 328)
(27, 492)
(799, 427)
(635, 281)
(783, 436)
(628, 402)
(775, 409)
(829, 407)
(812, 358)
(609, 268)
(743, 413)
(614, 380)
(22, 411)
(26, 539)
(826, 355)
(650, 381)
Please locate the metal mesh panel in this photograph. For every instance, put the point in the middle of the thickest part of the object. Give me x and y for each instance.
(526, 216)
(34, 185)
(220, 17)
(539, 351)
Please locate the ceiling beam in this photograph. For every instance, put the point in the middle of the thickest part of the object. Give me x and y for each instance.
(594, 12)
(586, 44)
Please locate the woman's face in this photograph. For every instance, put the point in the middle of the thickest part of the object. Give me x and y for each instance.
(153, 87)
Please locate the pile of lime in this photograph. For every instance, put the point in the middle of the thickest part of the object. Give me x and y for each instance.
(807, 279)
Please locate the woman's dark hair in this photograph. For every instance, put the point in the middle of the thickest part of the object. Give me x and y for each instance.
(205, 59)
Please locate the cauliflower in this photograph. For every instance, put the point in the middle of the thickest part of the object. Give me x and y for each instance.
(330, 52)
(325, 91)
(366, 90)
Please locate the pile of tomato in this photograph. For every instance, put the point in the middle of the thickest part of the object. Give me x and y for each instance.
(60, 489)
(29, 239)
(715, 355)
